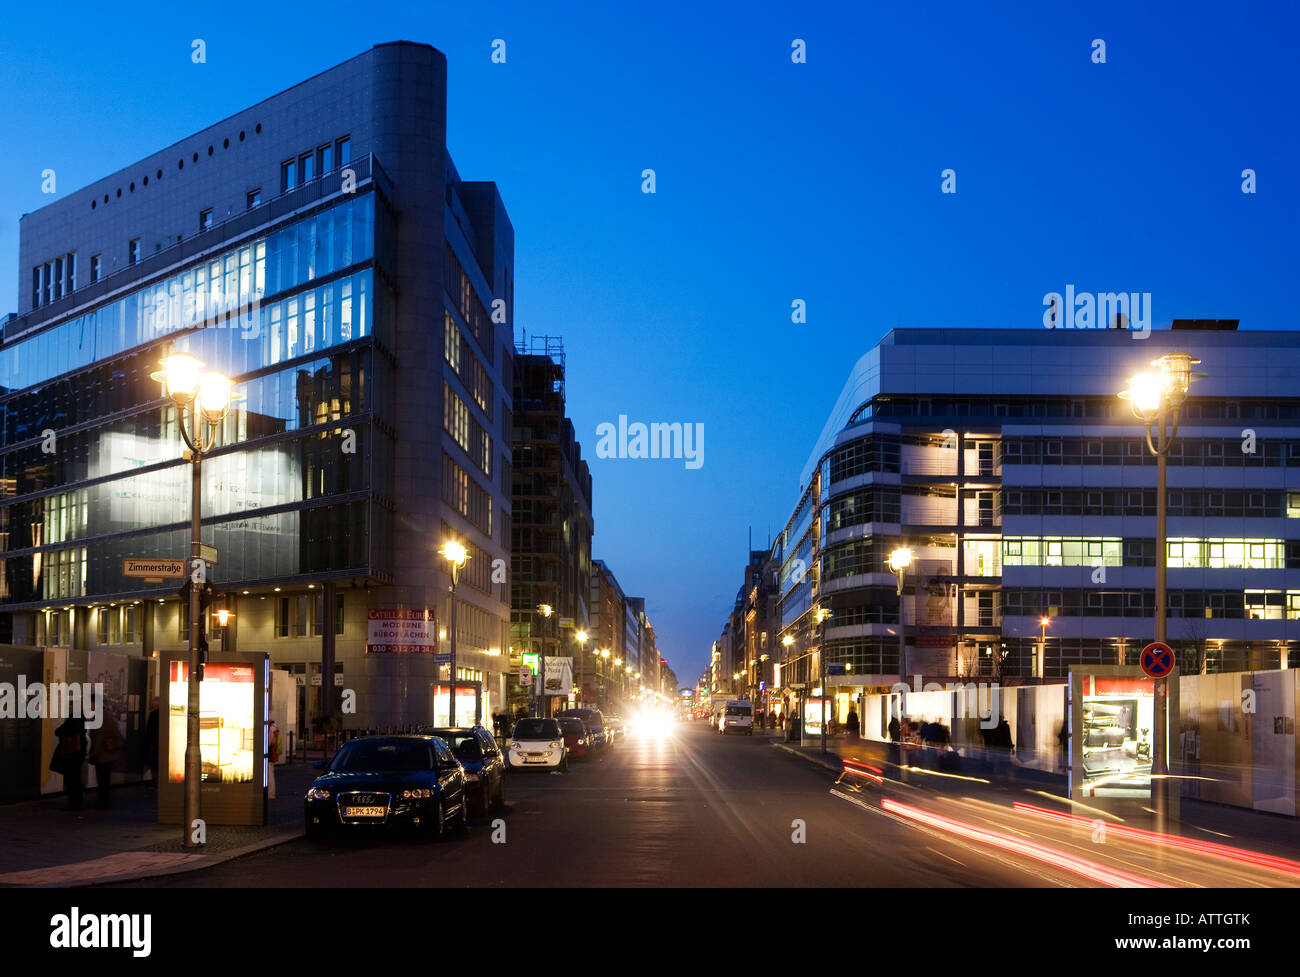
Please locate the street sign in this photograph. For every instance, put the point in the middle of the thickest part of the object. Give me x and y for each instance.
(208, 553)
(525, 676)
(1157, 659)
(443, 658)
(153, 569)
(836, 668)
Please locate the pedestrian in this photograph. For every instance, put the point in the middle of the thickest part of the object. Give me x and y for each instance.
(895, 730)
(151, 743)
(69, 757)
(105, 750)
(851, 726)
(273, 747)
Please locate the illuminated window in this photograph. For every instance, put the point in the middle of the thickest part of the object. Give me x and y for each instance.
(1265, 605)
(1293, 505)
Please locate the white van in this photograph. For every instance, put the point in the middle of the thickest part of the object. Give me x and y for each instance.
(736, 715)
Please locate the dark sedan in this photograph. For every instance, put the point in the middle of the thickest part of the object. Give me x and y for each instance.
(378, 782)
(485, 768)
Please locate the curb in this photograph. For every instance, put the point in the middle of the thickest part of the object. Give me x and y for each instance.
(815, 761)
(203, 861)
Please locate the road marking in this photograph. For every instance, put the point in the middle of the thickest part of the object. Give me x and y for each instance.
(942, 855)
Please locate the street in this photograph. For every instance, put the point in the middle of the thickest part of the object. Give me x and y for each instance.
(690, 809)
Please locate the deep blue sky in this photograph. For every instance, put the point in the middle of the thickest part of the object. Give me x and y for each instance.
(776, 181)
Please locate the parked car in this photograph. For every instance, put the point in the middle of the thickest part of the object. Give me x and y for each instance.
(380, 782)
(485, 768)
(577, 737)
(538, 743)
(617, 728)
(595, 722)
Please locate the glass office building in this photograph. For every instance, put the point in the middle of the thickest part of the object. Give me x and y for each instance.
(1024, 487)
(320, 249)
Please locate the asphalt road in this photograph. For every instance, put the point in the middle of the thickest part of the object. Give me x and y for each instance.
(689, 809)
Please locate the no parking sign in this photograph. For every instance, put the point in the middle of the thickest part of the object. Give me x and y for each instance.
(1157, 659)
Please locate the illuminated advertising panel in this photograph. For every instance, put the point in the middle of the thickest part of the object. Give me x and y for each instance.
(228, 740)
(466, 705)
(1112, 723)
(234, 697)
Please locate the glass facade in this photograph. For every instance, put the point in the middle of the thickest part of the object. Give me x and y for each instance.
(90, 464)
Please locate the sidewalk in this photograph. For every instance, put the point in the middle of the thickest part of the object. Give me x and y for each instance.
(1271, 834)
(47, 845)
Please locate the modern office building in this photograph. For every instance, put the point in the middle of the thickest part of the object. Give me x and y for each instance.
(321, 249)
(613, 653)
(551, 542)
(1025, 489)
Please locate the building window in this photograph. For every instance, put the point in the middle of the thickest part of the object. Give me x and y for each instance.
(1293, 505)
(36, 287)
(70, 273)
(49, 281)
(133, 251)
(325, 158)
(344, 147)
(205, 220)
(254, 198)
(307, 166)
(130, 624)
(288, 175)
(96, 264)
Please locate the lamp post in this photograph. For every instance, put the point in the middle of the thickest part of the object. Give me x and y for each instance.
(899, 560)
(546, 610)
(1041, 670)
(821, 615)
(581, 637)
(205, 396)
(1157, 400)
(455, 554)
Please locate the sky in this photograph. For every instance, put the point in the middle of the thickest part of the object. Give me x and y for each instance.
(775, 181)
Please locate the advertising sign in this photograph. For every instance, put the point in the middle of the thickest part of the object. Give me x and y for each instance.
(227, 740)
(1112, 725)
(466, 705)
(559, 676)
(401, 631)
(233, 702)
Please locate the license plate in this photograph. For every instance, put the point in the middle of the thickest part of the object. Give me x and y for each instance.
(364, 812)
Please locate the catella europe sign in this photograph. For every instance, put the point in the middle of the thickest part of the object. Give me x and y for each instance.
(401, 631)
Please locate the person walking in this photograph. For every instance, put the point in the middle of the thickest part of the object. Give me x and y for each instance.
(151, 743)
(105, 751)
(851, 725)
(69, 757)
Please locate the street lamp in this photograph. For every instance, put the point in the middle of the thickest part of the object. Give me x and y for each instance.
(546, 610)
(206, 396)
(456, 555)
(581, 637)
(820, 615)
(1043, 622)
(1157, 399)
(899, 560)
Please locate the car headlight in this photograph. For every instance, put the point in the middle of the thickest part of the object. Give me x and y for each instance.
(416, 793)
(515, 746)
(556, 746)
(581, 741)
(318, 794)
